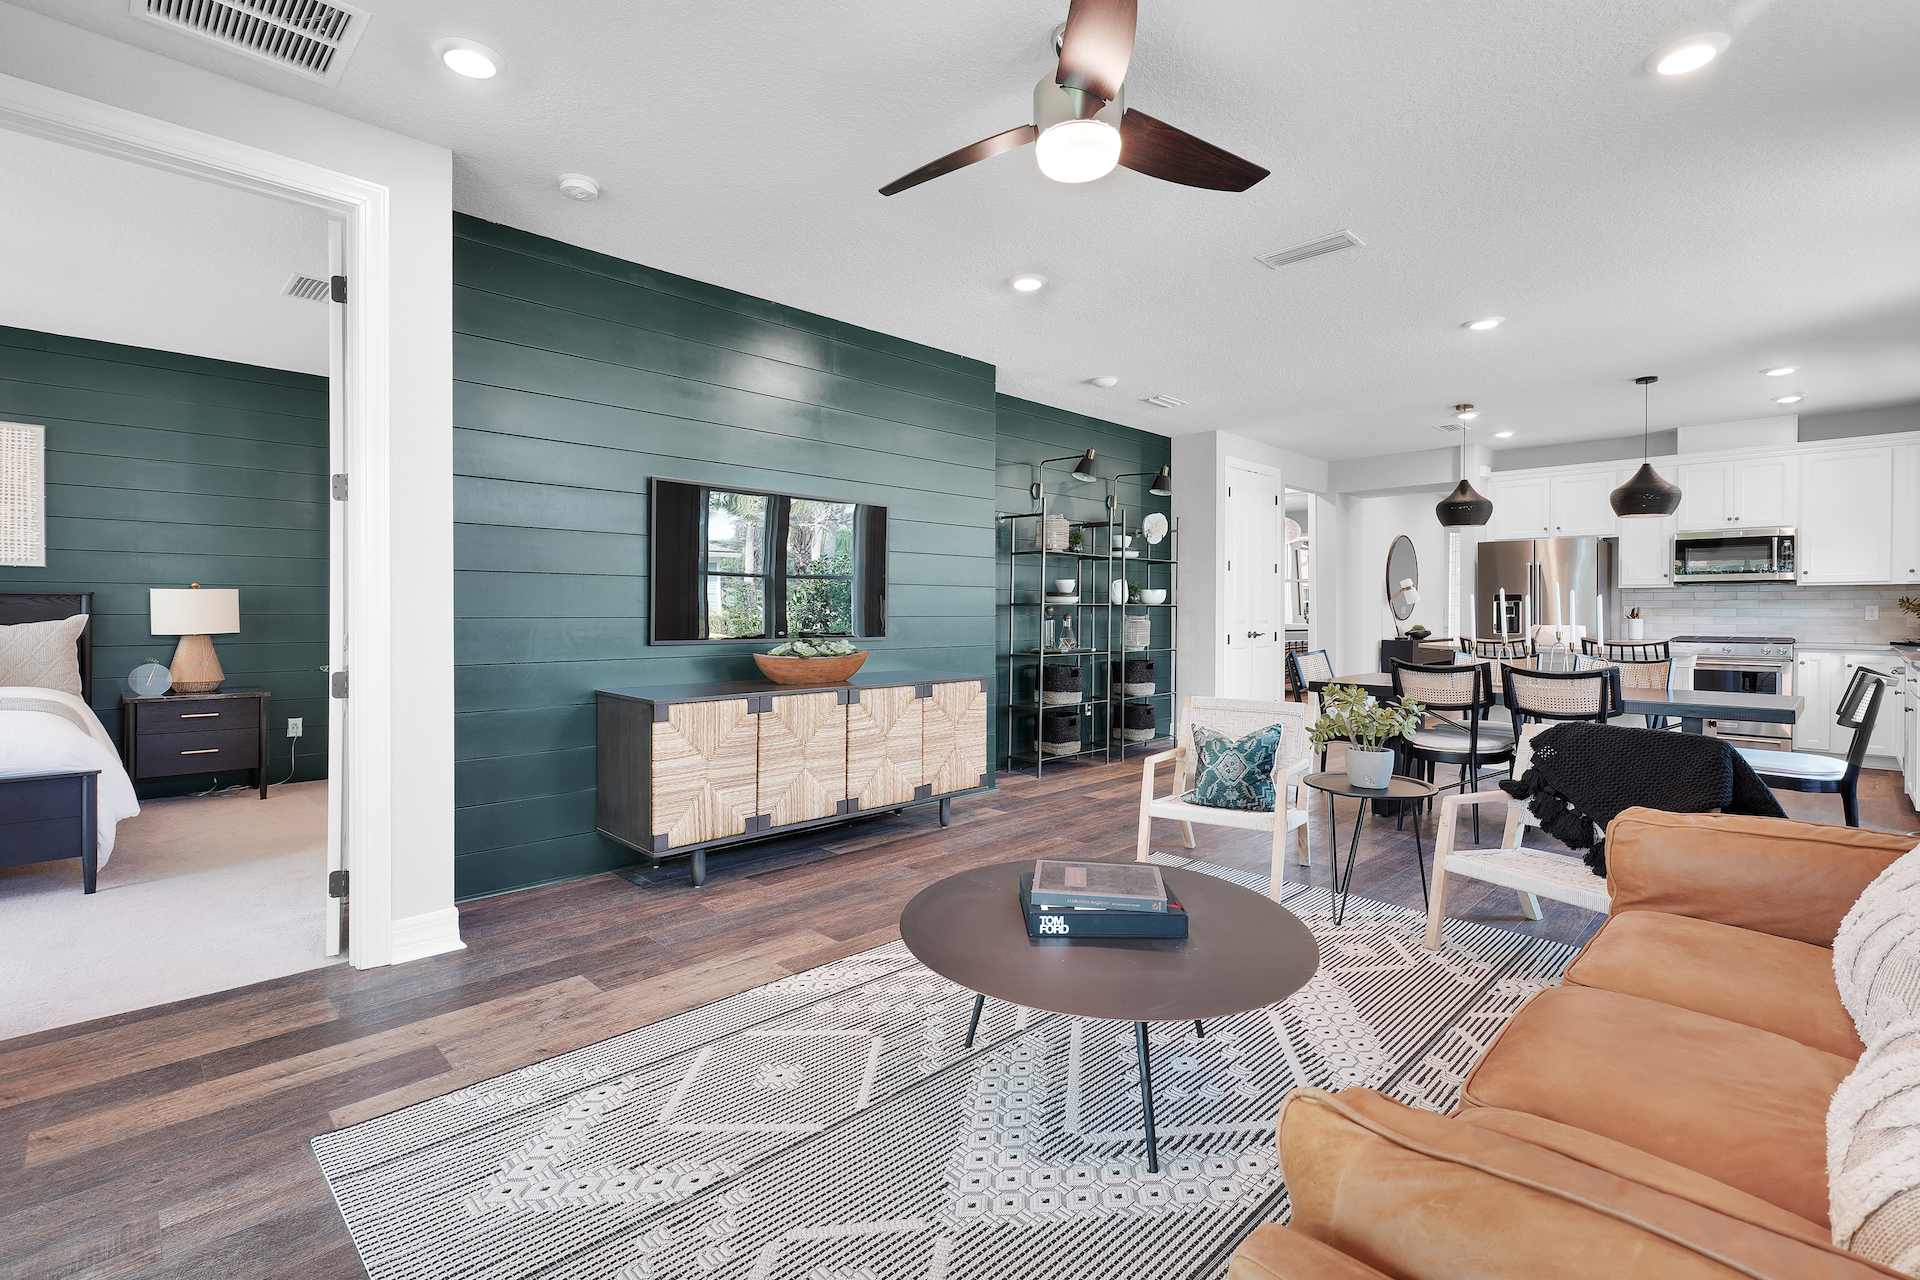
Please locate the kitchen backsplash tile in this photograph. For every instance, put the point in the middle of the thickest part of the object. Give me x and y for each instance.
(1817, 615)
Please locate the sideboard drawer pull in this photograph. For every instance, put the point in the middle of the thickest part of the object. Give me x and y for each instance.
(203, 751)
(199, 715)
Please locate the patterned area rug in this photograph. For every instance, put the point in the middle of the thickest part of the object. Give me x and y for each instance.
(829, 1126)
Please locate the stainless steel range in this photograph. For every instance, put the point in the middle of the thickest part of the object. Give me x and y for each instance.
(1738, 664)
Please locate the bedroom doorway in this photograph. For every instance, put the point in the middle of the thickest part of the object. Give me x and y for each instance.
(190, 433)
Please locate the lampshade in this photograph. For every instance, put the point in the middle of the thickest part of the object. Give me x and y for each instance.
(1646, 494)
(1463, 507)
(1083, 469)
(196, 611)
(1162, 486)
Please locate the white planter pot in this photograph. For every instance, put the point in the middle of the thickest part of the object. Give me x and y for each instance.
(1369, 769)
(1636, 628)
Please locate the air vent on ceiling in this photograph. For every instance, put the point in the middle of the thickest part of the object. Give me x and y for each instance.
(1311, 249)
(1448, 428)
(307, 288)
(1166, 402)
(313, 38)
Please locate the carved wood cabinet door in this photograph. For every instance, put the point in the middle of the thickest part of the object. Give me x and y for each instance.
(884, 754)
(955, 747)
(705, 762)
(803, 758)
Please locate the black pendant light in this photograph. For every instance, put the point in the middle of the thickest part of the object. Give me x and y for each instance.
(1464, 507)
(1646, 494)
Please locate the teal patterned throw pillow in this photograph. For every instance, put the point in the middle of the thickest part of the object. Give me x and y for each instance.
(1235, 775)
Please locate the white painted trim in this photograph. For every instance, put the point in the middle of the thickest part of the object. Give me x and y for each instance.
(432, 934)
(363, 208)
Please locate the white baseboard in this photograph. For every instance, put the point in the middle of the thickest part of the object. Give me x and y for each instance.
(432, 934)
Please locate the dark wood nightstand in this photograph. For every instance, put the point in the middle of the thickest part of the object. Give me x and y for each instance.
(196, 733)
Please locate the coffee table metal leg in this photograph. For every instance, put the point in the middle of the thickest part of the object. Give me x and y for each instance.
(979, 1002)
(1343, 883)
(1420, 860)
(1199, 1030)
(1146, 1095)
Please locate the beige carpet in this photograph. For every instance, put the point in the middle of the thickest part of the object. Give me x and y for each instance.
(201, 895)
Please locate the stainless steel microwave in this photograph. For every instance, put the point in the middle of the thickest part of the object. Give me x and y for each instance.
(1744, 555)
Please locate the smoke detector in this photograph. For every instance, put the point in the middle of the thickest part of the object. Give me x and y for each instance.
(307, 288)
(311, 38)
(579, 186)
(1311, 249)
(1165, 401)
(1104, 381)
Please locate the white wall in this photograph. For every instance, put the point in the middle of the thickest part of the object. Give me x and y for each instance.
(418, 178)
(1359, 595)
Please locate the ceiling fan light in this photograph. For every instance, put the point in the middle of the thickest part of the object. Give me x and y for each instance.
(1078, 150)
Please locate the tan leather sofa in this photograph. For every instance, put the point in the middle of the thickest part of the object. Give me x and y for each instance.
(1662, 1113)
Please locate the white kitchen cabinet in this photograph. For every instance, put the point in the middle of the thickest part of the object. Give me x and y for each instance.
(1750, 493)
(1846, 516)
(1816, 679)
(1579, 504)
(1520, 508)
(1906, 515)
(1646, 543)
(1888, 729)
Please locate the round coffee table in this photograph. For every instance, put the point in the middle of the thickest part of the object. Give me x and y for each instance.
(1244, 951)
(1397, 788)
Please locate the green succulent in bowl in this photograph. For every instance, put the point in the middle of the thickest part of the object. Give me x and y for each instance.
(812, 649)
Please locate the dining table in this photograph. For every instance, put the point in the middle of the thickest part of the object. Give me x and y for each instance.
(1691, 707)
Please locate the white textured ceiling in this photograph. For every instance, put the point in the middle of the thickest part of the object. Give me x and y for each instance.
(95, 247)
(1496, 158)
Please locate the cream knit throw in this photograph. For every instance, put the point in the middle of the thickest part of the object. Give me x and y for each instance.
(1876, 954)
(1873, 1152)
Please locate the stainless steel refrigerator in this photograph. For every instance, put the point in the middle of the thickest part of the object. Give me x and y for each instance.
(1530, 582)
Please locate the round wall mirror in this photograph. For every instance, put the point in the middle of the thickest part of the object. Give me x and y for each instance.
(1403, 577)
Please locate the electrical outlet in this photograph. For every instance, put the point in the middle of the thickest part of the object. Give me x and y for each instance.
(1873, 613)
(295, 726)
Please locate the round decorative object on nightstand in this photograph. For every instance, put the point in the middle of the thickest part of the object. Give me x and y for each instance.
(149, 680)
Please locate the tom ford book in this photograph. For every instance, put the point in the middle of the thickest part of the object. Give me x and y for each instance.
(1113, 886)
(1072, 922)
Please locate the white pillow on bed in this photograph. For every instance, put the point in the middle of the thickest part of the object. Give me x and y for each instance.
(42, 654)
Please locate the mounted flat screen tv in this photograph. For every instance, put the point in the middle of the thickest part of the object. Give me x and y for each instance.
(744, 564)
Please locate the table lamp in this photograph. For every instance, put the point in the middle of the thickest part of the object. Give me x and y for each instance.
(194, 615)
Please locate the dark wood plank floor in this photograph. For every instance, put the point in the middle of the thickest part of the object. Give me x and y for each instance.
(173, 1142)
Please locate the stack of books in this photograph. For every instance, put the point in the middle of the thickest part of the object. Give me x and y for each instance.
(1099, 900)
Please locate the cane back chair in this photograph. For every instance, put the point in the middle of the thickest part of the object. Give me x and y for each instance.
(1471, 742)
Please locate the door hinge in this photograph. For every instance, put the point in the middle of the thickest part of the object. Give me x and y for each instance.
(338, 684)
(339, 288)
(336, 884)
(340, 486)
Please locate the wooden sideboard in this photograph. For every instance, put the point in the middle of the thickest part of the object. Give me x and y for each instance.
(689, 768)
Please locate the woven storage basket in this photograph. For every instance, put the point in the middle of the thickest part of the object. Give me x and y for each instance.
(1054, 536)
(1060, 683)
(1137, 722)
(1139, 632)
(1135, 677)
(1059, 733)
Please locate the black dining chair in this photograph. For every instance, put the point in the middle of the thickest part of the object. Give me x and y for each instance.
(1508, 650)
(1592, 694)
(1470, 742)
(1859, 710)
(1309, 665)
(1627, 651)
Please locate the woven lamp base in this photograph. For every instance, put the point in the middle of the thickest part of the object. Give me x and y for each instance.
(196, 668)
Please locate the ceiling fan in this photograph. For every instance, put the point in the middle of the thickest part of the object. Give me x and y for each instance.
(1082, 126)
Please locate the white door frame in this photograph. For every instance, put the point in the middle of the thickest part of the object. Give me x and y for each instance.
(362, 210)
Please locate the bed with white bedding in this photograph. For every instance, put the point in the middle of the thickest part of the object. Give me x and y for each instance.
(63, 789)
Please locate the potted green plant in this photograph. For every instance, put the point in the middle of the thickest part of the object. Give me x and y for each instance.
(1368, 727)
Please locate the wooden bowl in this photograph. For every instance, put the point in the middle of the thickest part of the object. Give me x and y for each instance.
(809, 670)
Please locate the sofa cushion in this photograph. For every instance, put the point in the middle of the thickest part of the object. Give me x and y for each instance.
(1741, 1105)
(1876, 953)
(1418, 1195)
(1273, 1252)
(1873, 1151)
(1776, 984)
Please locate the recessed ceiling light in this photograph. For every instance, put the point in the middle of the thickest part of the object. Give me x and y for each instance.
(1104, 381)
(470, 58)
(1479, 326)
(1796, 398)
(1503, 435)
(1782, 371)
(1689, 54)
(1028, 283)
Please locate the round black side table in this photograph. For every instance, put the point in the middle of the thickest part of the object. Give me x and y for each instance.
(1397, 788)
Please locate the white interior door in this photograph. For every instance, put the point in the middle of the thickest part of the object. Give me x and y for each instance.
(1255, 537)
(336, 592)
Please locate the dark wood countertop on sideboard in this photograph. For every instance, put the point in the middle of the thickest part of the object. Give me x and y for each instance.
(718, 689)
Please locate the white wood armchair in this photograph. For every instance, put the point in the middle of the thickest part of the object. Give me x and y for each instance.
(1237, 719)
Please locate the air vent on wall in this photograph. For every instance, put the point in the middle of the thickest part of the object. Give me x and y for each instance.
(307, 288)
(1166, 402)
(313, 38)
(1311, 249)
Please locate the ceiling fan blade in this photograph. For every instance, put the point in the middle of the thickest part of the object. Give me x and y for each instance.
(1159, 150)
(1096, 47)
(985, 149)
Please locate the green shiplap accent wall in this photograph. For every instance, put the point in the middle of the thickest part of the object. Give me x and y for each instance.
(576, 378)
(164, 470)
(1027, 434)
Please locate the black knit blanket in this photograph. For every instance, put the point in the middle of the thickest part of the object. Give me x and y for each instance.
(1583, 775)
